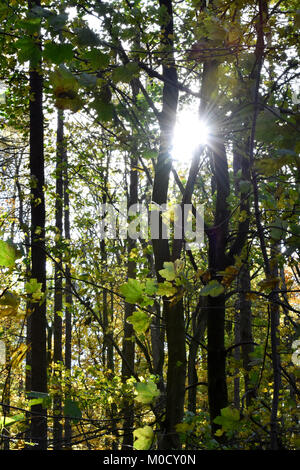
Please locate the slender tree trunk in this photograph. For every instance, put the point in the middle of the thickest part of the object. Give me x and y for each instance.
(68, 298)
(111, 367)
(275, 318)
(58, 296)
(240, 163)
(216, 357)
(158, 356)
(128, 342)
(38, 254)
(110, 347)
(5, 441)
(237, 357)
(199, 327)
(173, 313)
(246, 337)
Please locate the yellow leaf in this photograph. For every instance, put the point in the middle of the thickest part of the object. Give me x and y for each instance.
(270, 283)
(19, 354)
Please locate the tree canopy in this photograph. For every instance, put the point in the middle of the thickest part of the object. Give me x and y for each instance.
(149, 225)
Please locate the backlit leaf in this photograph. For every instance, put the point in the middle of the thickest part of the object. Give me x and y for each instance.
(125, 73)
(146, 392)
(140, 321)
(132, 291)
(86, 37)
(213, 288)
(229, 419)
(166, 289)
(8, 254)
(97, 58)
(168, 272)
(143, 438)
(6, 421)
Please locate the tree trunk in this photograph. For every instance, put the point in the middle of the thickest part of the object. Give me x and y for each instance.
(173, 313)
(246, 337)
(199, 327)
(58, 297)
(68, 298)
(128, 352)
(38, 254)
(216, 357)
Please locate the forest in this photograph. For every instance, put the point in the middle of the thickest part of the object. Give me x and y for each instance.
(149, 225)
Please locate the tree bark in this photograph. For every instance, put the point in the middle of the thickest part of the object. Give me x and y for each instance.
(199, 327)
(128, 351)
(58, 296)
(173, 314)
(38, 254)
(68, 297)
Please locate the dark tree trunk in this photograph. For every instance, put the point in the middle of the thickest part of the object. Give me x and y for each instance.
(38, 254)
(216, 357)
(128, 351)
(58, 296)
(173, 313)
(199, 326)
(246, 337)
(68, 297)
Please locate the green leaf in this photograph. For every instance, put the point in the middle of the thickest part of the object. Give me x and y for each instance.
(143, 438)
(140, 321)
(166, 289)
(244, 186)
(65, 89)
(229, 418)
(270, 165)
(40, 12)
(125, 73)
(168, 272)
(149, 154)
(87, 80)
(58, 53)
(132, 291)
(146, 392)
(72, 410)
(150, 286)
(213, 288)
(86, 37)
(8, 254)
(28, 50)
(62, 79)
(32, 286)
(104, 110)
(97, 58)
(57, 22)
(30, 25)
(6, 421)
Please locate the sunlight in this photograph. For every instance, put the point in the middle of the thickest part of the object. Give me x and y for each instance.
(189, 132)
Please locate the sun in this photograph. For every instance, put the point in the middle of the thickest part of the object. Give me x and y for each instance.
(189, 133)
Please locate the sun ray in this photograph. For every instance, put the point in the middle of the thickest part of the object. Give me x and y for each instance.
(190, 132)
